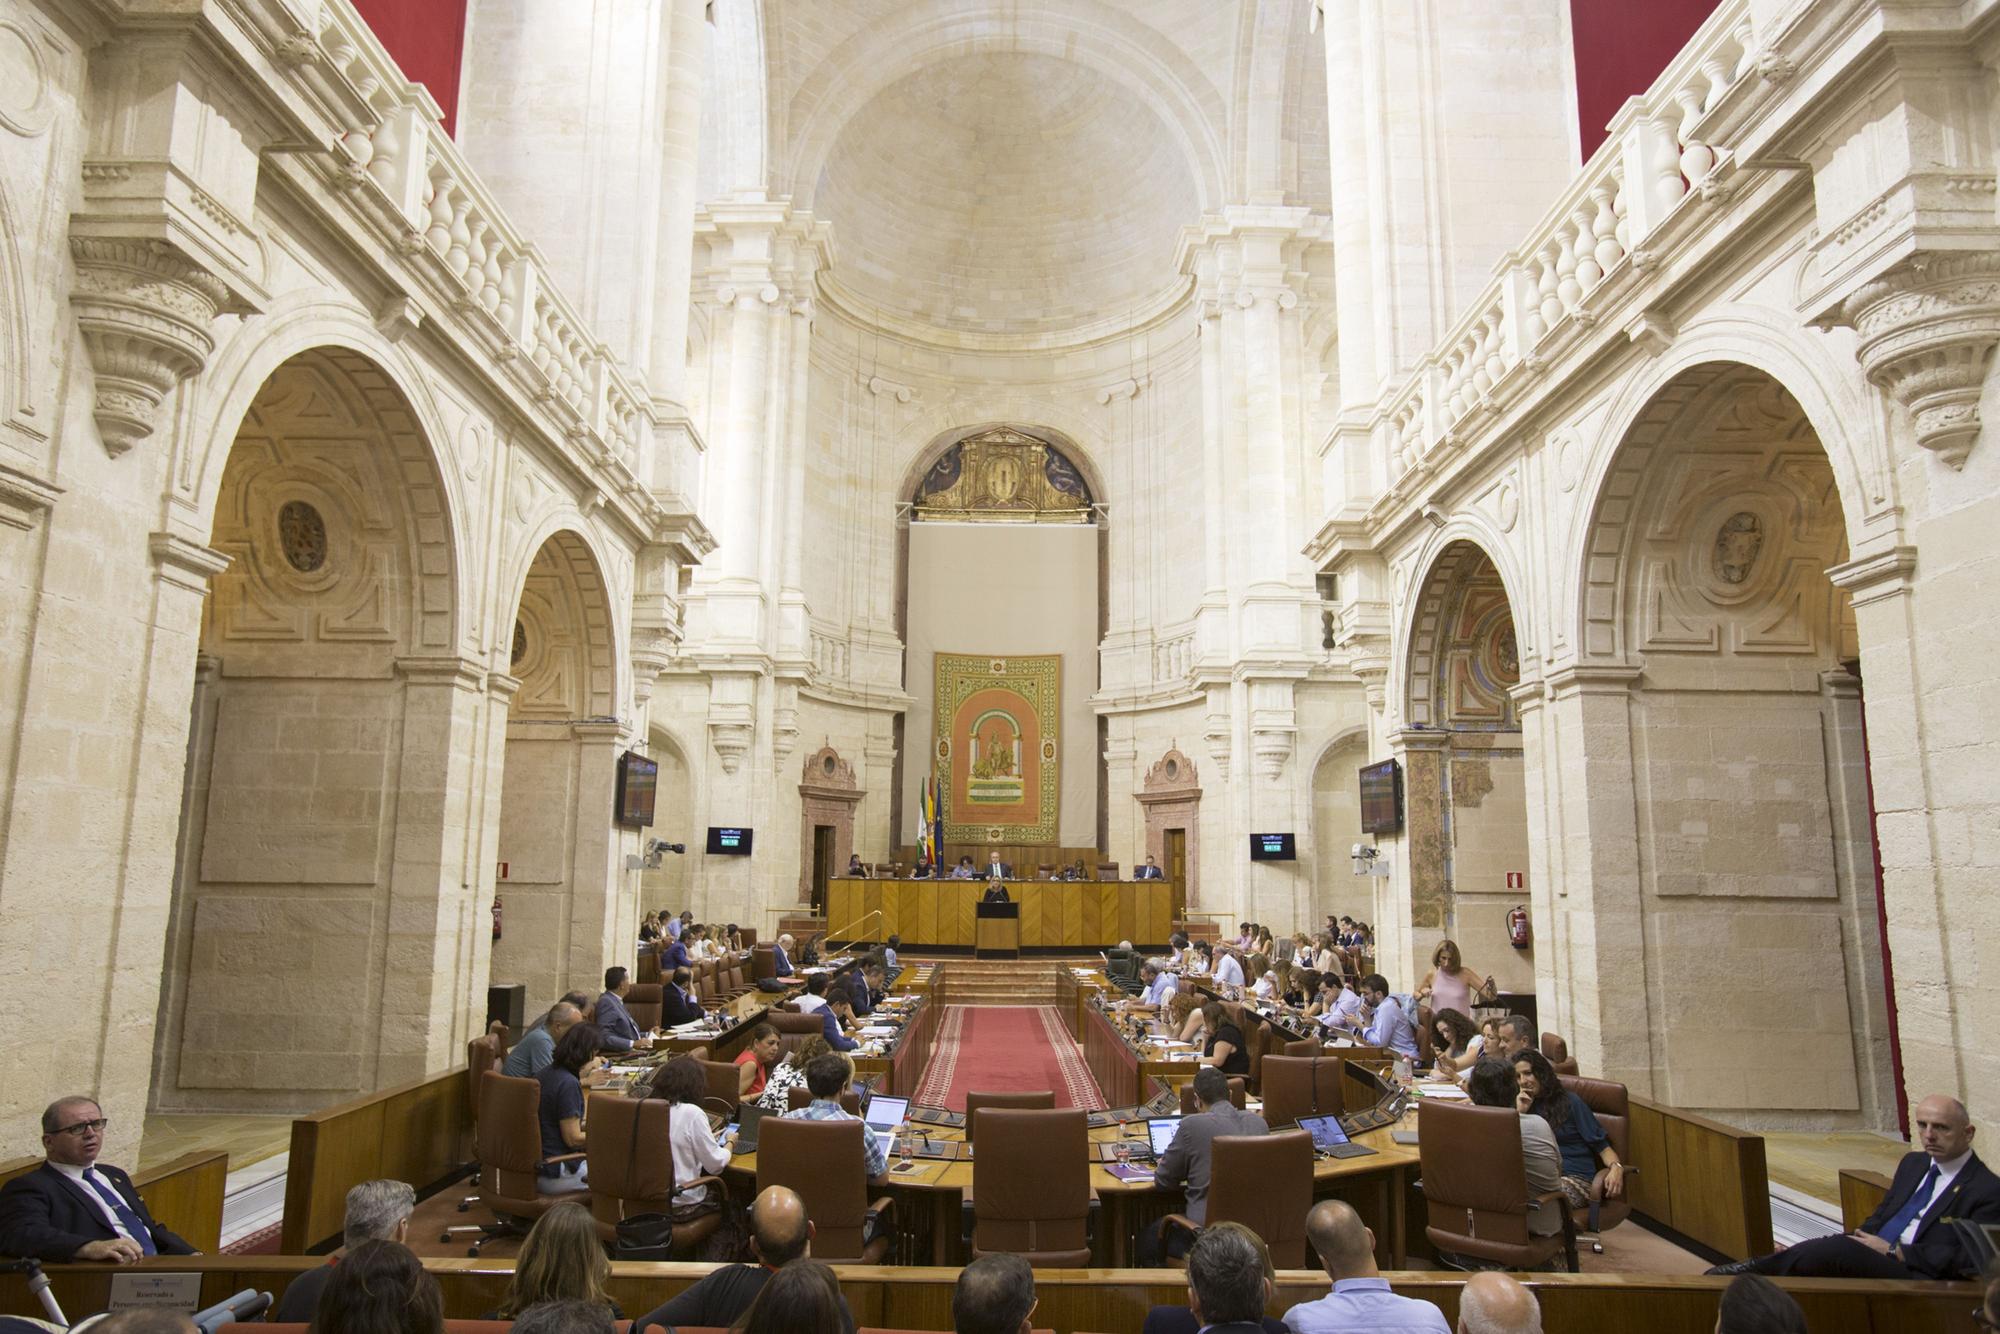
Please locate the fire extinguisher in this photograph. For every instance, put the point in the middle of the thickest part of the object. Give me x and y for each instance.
(1518, 933)
(496, 917)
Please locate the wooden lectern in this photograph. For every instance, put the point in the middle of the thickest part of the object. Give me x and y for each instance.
(996, 932)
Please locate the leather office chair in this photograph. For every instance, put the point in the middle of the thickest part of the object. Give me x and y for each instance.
(644, 1003)
(632, 1169)
(1299, 1047)
(763, 962)
(1612, 1104)
(1038, 1101)
(1107, 871)
(1557, 1051)
(1296, 1086)
(1264, 1182)
(483, 1053)
(798, 1097)
(1045, 871)
(1475, 1186)
(747, 937)
(706, 991)
(508, 1145)
(1031, 1185)
(1237, 1093)
(823, 1162)
(1257, 1040)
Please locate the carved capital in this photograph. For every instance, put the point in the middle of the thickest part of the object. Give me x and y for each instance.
(1928, 328)
(146, 312)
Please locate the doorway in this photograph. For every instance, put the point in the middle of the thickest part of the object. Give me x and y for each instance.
(1174, 843)
(822, 864)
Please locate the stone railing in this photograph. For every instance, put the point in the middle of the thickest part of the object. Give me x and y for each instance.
(1653, 163)
(1173, 657)
(830, 655)
(595, 403)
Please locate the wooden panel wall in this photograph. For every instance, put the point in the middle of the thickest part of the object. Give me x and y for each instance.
(1701, 1178)
(1116, 1300)
(418, 1132)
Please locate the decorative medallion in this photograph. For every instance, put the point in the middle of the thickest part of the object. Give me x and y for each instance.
(302, 536)
(1737, 546)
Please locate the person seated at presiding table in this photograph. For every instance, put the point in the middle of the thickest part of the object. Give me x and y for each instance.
(1188, 1160)
(1383, 1021)
(1493, 1084)
(380, 1287)
(678, 1004)
(561, 1260)
(995, 1294)
(1910, 1234)
(803, 1297)
(1150, 871)
(790, 1073)
(837, 1016)
(1360, 1300)
(376, 1210)
(813, 999)
(1230, 1281)
(997, 869)
(855, 870)
(1223, 1046)
(755, 1062)
(682, 1084)
(779, 1234)
(73, 1207)
(1591, 1170)
(618, 1030)
(1455, 1043)
(1450, 985)
(964, 871)
(827, 1077)
(1495, 1303)
(560, 1110)
(538, 1045)
(922, 870)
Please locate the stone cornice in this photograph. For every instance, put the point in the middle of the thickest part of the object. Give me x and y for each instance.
(24, 499)
(444, 669)
(1583, 678)
(187, 564)
(1885, 574)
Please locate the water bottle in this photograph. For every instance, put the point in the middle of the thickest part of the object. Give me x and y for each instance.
(904, 1148)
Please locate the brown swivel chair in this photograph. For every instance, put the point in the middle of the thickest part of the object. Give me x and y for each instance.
(632, 1169)
(1107, 871)
(763, 962)
(508, 1145)
(823, 1161)
(1031, 1186)
(798, 1097)
(1299, 1047)
(1475, 1185)
(1045, 871)
(1237, 1093)
(1296, 1086)
(1264, 1182)
(1557, 1051)
(746, 936)
(1612, 1104)
(483, 1053)
(1036, 1102)
(644, 1002)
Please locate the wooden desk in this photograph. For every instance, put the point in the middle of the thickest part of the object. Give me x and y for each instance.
(1054, 914)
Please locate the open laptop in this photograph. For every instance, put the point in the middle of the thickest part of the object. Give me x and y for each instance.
(1330, 1138)
(886, 1113)
(1160, 1132)
(748, 1117)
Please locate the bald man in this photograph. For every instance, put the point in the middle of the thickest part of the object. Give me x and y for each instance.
(1496, 1303)
(1910, 1235)
(779, 1233)
(1360, 1298)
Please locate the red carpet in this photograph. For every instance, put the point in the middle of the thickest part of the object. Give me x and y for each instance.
(1004, 1049)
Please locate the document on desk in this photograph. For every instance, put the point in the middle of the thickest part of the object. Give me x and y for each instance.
(877, 1030)
(1129, 1171)
(1444, 1092)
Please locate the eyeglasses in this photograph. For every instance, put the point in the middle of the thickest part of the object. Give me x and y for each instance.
(85, 1127)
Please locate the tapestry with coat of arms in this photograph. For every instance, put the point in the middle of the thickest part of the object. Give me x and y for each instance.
(998, 747)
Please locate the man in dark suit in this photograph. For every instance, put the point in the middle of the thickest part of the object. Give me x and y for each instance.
(997, 869)
(1910, 1234)
(677, 1002)
(1150, 871)
(73, 1207)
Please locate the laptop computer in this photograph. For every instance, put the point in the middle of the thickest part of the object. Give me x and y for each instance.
(886, 1113)
(1160, 1132)
(741, 1137)
(1330, 1138)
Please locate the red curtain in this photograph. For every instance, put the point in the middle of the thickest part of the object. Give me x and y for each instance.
(1621, 47)
(427, 39)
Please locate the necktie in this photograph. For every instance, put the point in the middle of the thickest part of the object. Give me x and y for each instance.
(1913, 1208)
(128, 1220)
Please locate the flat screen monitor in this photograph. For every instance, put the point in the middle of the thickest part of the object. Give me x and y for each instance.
(1382, 798)
(1273, 848)
(728, 842)
(886, 1113)
(638, 782)
(1161, 1131)
(1325, 1130)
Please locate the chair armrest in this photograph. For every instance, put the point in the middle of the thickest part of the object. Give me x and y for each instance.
(680, 1186)
(567, 1158)
(884, 1205)
(1180, 1221)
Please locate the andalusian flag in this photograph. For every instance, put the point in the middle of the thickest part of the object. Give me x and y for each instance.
(928, 839)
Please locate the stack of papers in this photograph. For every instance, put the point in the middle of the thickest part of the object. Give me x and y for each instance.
(1444, 1092)
(877, 1030)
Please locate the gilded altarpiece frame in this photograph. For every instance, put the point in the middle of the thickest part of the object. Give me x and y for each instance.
(997, 745)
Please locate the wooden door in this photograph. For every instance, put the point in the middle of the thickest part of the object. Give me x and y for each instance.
(822, 865)
(1176, 859)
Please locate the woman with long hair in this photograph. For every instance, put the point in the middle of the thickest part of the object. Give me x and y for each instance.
(562, 1259)
(803, 1297)
(1450, 985)
(790, 1073)
(379, 1287)
(560, 1111)
(682, 1083)
(1590, 1166)
(1455, 1042)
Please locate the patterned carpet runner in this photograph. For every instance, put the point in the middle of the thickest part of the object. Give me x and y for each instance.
(1003, 1049)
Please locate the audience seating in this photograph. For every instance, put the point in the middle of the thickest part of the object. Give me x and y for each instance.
(1264, 1182)
(632, 1170)
(1022, 1101)
(508, 1144)
(1296, 1086)
(645, 1002)
(1557, 1051)
(1613, 1107)
(1237, 1093)
(1475, 1188)
(823, 1162)
(1031, 1185)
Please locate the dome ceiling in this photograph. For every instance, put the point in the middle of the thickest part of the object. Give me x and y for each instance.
(1006, 193)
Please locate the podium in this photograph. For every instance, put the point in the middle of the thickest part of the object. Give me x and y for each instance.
(996, 931)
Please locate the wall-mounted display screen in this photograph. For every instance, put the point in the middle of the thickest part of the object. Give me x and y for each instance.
(638, 784)
(1273, 848)
(1382, 798)
(726, 842)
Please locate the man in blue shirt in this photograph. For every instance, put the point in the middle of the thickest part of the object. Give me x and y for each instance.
(827, 1077)
(1360, 1299)
(1160, 987)
(537, 1046)
(781, 956)
(1388, 1026)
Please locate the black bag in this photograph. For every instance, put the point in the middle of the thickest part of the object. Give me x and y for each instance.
(644, 1237)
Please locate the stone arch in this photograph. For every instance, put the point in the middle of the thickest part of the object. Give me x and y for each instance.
(563, 612)
(1085, 31)
(938, 439)
(1446, 634)
(1470, 527)
(675, 820)
(1336, 825)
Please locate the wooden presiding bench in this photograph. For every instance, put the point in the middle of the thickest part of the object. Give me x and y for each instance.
(1114, 1301)
(420, 1132)
(185, 1194)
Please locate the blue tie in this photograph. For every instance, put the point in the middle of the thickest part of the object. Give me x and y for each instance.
(126, 1218)
(1913, 1208)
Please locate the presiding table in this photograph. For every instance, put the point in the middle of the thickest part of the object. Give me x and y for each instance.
(1055, 914)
